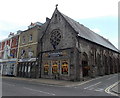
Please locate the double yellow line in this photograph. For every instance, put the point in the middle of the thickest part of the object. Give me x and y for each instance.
(107, 90)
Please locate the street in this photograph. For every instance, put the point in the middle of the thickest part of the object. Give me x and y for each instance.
(93, 87)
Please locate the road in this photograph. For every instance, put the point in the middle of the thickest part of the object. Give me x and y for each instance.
(94, 87)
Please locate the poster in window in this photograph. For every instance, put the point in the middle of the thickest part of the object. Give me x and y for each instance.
(64, 67)
(46, 69)
(54, 67)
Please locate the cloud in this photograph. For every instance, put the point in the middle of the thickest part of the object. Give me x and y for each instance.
(18, 14)
(21, 11)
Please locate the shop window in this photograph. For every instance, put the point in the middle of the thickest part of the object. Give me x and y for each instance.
(22, 68)
(19, 68)
(25, 68)
(46, 69)
(28, 68)
(64, 67)
(54, 67)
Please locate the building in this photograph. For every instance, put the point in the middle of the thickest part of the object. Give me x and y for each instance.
(8, 54)
(60, 48)
(71, 51)
(27, 52)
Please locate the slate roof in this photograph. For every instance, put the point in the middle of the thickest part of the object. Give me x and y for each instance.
(88, 34)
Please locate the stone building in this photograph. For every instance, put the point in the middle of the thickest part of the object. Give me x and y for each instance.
(8, 54)
(71, 51)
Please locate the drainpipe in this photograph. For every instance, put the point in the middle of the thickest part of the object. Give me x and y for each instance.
(17, 55)
(40, 58)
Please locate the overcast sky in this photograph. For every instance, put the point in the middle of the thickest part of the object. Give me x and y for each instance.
(98, 15)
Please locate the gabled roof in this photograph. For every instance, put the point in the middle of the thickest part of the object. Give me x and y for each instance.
(88, 34)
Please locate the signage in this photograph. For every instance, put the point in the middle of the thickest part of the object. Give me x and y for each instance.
(30, 54)
(55, 54)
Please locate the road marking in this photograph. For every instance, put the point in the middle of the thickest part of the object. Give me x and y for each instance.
(110, 78)
(39, 91)
(92, 85)
(74, 85)
(107, 90)
(99, 89)
(83, 82)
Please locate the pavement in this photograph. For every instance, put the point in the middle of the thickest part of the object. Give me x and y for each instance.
(47, 81)
(65, 83)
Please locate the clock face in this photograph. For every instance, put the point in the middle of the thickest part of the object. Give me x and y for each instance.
(55, 38)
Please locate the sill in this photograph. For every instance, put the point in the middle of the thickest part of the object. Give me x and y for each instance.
(30, 41)
(23, 43)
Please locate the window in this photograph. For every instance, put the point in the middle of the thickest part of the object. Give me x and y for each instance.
(28, 68)
(25, 68)
(22, 54)
(64, 67)
(23, 51)
(16, 41)
(23, 41)
(0, 45)
(19, 68)
(30, 37)
(46, 68)
(22, 68)
(55, 38)
(54, 67)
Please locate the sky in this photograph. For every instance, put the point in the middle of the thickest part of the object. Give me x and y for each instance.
(101, 16)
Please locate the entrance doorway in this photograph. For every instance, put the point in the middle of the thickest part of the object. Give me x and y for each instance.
(85, 67)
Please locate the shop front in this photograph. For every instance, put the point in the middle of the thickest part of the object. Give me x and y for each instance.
(8, 67)
(56, 64)
(27, 68)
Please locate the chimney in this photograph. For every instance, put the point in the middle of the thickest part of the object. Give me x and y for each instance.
(11, 34)
(19, 31)
(47, 19)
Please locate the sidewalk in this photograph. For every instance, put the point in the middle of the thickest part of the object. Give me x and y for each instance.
(47, 81)
(116, 89)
